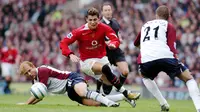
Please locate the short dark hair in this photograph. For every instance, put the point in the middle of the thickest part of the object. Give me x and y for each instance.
(163, 12)
(92, 12)
(105, 4)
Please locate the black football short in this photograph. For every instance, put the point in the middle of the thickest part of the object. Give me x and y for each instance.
(172, 67)
(73, 79)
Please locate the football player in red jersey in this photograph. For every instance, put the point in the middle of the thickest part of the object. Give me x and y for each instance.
(9, 59)
(92, 49)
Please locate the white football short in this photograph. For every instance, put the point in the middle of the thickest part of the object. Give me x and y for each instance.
(86, 66)
(8, 69)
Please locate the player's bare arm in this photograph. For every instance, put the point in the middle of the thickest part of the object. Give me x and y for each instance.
(31, 101)
(74, 58)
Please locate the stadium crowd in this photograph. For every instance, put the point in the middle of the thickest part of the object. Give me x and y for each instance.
(37, 26)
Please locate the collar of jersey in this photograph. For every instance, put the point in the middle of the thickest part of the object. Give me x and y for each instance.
(106, 20)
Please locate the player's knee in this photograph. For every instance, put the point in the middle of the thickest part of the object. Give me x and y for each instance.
(82, 93)
(8, 78)
(81, 89)
(107, 89)
(189, 77)
(125, 72)
(186, 76)
(106, 70)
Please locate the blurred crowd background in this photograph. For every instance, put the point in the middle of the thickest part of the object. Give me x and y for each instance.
(37, 26)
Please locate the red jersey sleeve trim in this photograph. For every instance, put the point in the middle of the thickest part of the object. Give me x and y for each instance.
(171, 38)
(137, 40)
(69, 39)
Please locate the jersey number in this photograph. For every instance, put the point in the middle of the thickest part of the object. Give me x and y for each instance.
(147, 29)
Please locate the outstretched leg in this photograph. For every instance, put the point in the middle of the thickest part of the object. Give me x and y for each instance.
(153, 88)
(123, 67)
(82, 91)
(192, 88)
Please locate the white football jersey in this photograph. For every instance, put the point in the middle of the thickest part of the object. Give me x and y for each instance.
(153, 41)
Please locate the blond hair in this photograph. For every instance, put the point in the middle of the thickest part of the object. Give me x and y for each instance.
(163, 12)
(22, 69)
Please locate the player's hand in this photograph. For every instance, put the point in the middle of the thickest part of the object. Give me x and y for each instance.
(121, 40)
(107, 42)
(111, 46)
(21, 103)
(74, 58)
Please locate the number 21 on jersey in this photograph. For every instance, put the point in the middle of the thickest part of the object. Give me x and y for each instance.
(148, 35)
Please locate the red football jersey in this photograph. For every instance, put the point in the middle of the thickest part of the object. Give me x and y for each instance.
(8, 55)
(46, 72)
(91, 42)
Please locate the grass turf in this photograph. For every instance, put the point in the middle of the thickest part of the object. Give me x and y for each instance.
(64, 104)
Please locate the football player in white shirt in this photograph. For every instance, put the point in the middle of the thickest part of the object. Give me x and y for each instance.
(158, 53)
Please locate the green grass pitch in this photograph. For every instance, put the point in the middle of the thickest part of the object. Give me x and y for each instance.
(64, 104)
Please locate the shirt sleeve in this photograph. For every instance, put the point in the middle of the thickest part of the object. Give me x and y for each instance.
(16, 53)
(119, 27)
(171, 38)
(43, 75)
(69, 39)
(112, 36)
(137, 40)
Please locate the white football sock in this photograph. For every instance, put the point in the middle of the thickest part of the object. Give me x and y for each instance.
(153, 88)
(98, 97)
(115, 98)
(194, 92)
(122, 89)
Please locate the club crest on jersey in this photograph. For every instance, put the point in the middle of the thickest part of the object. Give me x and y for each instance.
(69, 35)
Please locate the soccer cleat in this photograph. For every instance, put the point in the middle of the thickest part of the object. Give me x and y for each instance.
(165, 108)
(113, 104)
(131, 102)
(133, 96)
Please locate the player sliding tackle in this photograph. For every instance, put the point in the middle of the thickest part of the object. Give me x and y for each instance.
(60, 82)
(92, 49)
(158, 53)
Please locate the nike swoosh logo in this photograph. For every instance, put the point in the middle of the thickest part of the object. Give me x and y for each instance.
(84, 33)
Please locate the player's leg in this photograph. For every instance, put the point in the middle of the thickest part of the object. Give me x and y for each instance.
(120, 97)
(81, 89)
(81, 100)
(92, 68)
(106, 85)
(6, 68)
(90, 102)
(117, 58)
(115, 98)
(154, 90)
(149, 71)
(99, 83)
(175, 68)
(107, 88)
(192, 87)
(77, 83)
(114, 80)
(123, 67)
